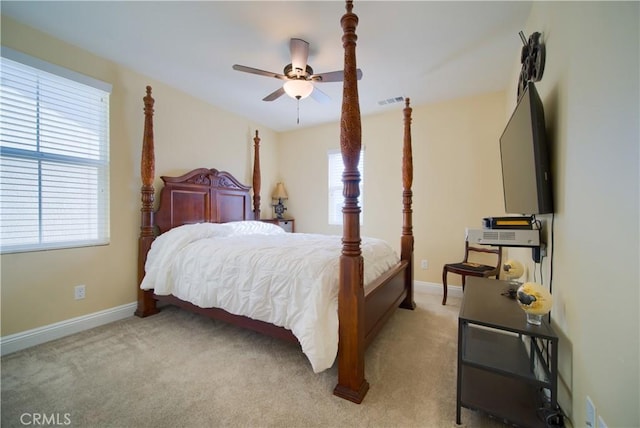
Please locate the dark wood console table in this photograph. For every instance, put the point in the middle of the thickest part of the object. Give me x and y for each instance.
(507, 368)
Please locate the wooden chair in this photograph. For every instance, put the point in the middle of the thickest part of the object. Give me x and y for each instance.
(469, 268)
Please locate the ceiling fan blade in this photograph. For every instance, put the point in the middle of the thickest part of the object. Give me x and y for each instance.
(333, 76)
(320, 96)
(299, 55)
(259, 72)
(275, 94)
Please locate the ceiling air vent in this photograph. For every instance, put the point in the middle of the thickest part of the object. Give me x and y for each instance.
(391, 101)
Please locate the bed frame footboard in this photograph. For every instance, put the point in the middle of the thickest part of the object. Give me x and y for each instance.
(382, 298)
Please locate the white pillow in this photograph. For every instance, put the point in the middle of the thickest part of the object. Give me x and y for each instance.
(254, 227)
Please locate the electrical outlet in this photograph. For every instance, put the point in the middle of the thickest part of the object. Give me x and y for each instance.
(79, 292)
(424, 264)
(601, 423)
(590, 414)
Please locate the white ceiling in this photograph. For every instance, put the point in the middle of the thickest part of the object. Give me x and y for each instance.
(426, 50)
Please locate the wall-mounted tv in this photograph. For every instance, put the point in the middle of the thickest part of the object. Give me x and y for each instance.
(524, 154)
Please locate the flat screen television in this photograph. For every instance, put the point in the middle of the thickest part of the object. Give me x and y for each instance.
(524, 154)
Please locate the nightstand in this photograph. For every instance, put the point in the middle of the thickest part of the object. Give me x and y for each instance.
(286, 223)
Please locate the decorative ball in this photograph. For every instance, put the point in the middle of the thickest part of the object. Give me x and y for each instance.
(534, 299)
(513, 269)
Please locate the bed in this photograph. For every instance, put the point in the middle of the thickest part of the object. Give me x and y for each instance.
(206, 201)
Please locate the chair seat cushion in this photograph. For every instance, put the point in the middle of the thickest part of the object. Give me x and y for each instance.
(474, 267)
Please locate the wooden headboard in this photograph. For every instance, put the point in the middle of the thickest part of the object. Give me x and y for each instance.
(202, 195)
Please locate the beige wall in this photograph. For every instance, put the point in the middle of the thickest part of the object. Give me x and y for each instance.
(456, 176)
(590, 90)
(37, 287)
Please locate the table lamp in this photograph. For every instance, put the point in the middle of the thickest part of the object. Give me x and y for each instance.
(279, 195)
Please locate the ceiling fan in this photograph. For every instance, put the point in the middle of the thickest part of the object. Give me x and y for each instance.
(298, 76)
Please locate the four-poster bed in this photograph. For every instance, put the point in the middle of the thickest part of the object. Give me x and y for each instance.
(212, 196)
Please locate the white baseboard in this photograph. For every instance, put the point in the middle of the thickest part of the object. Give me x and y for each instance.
(26, 339)
(435, 288)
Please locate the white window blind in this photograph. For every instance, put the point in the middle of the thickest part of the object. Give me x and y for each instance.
(336, 198)
(54, 157)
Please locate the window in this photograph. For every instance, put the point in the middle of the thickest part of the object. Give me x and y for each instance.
(336, 199)
(54, 156)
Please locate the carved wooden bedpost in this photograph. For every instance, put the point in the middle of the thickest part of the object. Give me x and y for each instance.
(146, 303)
(256, 177)
(406, 239)
(351, 382)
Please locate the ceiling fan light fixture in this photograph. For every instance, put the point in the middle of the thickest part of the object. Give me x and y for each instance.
(298, 89)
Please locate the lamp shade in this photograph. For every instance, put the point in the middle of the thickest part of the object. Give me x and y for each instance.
(298, 88)
(280, 192)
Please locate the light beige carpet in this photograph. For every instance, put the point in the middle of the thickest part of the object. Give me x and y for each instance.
(178, 369)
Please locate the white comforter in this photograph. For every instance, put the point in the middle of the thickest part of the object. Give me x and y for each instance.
(257, 270)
